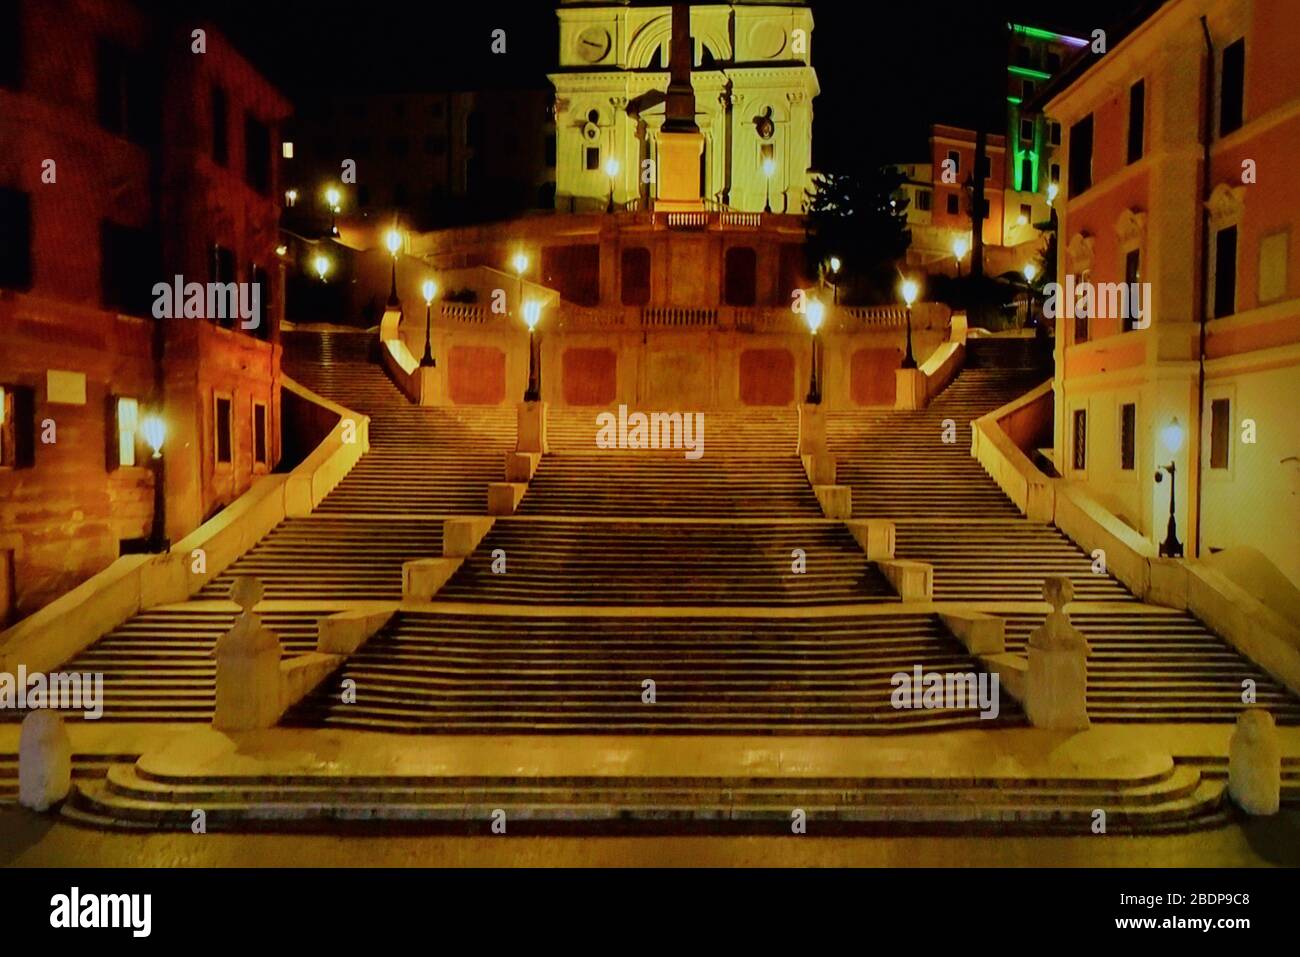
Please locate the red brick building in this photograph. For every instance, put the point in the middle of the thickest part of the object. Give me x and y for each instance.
(130, 157)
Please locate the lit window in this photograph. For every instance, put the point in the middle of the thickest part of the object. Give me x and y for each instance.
(286, 149)
(128, 423)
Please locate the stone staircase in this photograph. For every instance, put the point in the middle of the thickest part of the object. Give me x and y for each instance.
(749, 468)
(329, 557)
(508, 673)
(421, 460)
(1176, 799)
(576, 562)
(1152, 664)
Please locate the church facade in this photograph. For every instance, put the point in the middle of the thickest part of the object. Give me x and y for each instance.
(754, 87)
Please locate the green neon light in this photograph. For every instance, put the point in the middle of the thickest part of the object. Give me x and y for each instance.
(1040, 34)
(1014, 100)
(1027, 72)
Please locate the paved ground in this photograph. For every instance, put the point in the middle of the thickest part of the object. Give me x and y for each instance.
(32, 840)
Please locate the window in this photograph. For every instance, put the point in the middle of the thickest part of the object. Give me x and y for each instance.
(954, 204)
(1055, 173)
(741, 272)
(220, 127)
(129, 266)
(1136, 119)
(1225, 272)
(1027, 89)
(1232, 87)
(955, 157)
(548, 150)
(1081, 156)
(1082, 306)
(1080, 443)
(636, 276)
(221, 427)
(1026, 212)
(1027, 173)
(1132, 276)
(259, 434)
(1053, 62)
(1022, 56)
(257, 154)
(11, 44)
(17, 427)
(986, 168)
(1027, 130)
(124, 425)
(593, 158)
(1272, 267)
(1220, 432)
(223, 264)
(1054, 133)
(15, 239)
(126, 97)
(1127, 436)
(262, 279)
(924, 200)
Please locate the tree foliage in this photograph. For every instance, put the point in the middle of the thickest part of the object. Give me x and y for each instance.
(862, 219)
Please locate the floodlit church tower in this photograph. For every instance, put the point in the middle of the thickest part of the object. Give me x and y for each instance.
(753, 85)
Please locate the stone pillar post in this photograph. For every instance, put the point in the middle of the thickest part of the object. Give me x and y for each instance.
(44, 761)
(812, 429)
(1057, 687)
(530, 430)
(1255, 763)
(248, 667)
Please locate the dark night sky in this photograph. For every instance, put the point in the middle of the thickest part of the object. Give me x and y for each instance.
(887, 69)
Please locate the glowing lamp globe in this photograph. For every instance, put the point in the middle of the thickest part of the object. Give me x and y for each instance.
(520, 262)
(815, 315)
(429, 289)
(1172, 436)
(1030, 271)
(393, 240)
(611, 167)
(532, 314)
(322, 265)
(910, 290)
(959, 246)
(154, 430)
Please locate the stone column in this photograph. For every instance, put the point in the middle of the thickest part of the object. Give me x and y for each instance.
(1255, 763)
(248, 667)
(1057, 687)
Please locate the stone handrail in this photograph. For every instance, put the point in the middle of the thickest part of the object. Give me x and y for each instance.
(1031, 491)
(134, 583)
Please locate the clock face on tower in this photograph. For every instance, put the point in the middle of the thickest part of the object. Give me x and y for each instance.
(593, 44)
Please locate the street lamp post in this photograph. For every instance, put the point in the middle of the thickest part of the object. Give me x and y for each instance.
(154, 429)
(520, 264)
(1030, 271)
(835, 264)
(611, 170)
(533, 315)
(814, 314)
(332, 198)
(910, 289)
(769, 170)
(322, 265)
(393, 240)
(1172, 434)
(429, 289)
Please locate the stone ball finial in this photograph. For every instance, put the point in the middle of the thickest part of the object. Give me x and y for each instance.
(246, 592)
(1058, 591)
(1255, 723)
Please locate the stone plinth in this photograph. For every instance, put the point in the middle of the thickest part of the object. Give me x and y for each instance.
(981, 634)
(530, 429)
(345, 632)
(914, 581)
(679, 172)
(248, 667)
(1056, 694)
(522, 466)
(44, 761)
(820, 467)
(812, 429)
(875, 535)
(836, 500)
(909, 389)
(460, 536)
(504, 497)
(1255, 763)
(422, 578)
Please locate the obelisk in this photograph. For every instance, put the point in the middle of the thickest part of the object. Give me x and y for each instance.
(680, 142)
